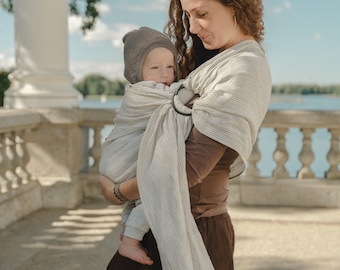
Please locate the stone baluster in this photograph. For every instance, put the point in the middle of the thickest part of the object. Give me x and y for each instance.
(95, 150)
(333, 155)
(11, 159)
(252, 170)
(281, 154)
(306, 155)
(23, 156)
(4, 165)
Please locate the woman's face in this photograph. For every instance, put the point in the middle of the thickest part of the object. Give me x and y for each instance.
(212, 22)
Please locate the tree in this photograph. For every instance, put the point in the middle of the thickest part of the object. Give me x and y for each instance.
(89, 14)
(4, 84)
(95, 84)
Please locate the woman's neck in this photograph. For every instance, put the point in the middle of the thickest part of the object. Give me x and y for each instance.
(236, 41)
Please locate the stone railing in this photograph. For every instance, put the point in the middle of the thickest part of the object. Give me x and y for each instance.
(49, 158)
(307, 122)
(44, 158)
(15, 179)
(14, 125)
(303, 189)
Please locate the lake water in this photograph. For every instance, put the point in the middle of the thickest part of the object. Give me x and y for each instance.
(267, 136)
(309, 102)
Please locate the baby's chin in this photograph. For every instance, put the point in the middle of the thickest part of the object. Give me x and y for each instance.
(165, 83)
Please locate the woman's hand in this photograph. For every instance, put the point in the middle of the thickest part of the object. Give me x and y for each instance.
(128, 189)
(106, 186)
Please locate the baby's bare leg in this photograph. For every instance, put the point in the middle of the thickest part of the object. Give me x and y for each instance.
(132, 249)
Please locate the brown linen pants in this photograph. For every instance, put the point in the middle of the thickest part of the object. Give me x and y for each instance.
(218, 236)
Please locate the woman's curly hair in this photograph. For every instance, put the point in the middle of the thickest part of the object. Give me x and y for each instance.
(191, 52)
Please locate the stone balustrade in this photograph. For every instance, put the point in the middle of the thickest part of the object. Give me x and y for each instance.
(304, 189)
(307, 122)
(14, 125)
(49, 158)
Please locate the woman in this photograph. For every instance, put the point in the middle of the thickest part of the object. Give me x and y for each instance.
(223, 63)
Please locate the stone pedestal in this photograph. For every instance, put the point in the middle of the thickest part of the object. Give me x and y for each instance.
(42, 78)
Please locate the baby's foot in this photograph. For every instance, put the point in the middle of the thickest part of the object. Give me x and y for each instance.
(135, 252)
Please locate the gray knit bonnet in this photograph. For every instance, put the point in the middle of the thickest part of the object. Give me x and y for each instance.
(137, 44)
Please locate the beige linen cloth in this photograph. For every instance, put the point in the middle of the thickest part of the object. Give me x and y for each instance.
(235, 89)
(120, 150)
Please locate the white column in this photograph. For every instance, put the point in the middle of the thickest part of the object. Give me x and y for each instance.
(42, 78)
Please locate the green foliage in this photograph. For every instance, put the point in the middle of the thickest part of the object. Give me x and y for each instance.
(305, 89)
(89, 13)
(92, 84)
(7, 5)
(4, 85)
(95, 84)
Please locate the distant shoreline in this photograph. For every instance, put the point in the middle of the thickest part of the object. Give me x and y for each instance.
(275, 98)
(285, 98)
(295, 98)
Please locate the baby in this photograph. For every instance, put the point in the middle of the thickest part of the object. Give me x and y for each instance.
(149, 55)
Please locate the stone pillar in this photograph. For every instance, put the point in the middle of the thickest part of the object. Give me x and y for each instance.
(55, 149)
(42, 78)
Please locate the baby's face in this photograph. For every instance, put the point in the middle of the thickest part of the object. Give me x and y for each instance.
(158, 66)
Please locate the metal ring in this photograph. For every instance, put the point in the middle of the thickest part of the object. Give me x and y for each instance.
(173, 102)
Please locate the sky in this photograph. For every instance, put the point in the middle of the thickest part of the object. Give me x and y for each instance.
(302, 39)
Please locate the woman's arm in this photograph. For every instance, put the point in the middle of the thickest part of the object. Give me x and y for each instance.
(128, 189)
(202, 155)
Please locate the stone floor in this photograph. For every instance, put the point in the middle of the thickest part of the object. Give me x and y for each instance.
(85, 238)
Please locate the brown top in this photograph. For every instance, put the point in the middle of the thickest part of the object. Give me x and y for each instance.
(208, 167)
